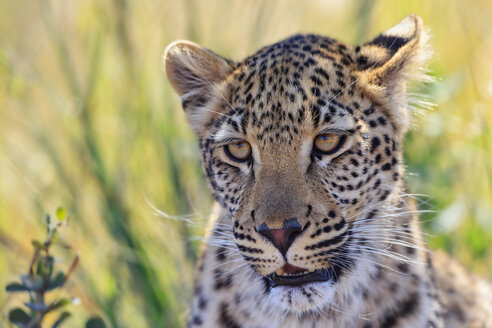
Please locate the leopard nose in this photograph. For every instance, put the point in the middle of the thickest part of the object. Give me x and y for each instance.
(284, 237)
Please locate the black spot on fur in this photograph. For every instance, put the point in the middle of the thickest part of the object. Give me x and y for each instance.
(403, 309)
(375, 142)
(225, 318)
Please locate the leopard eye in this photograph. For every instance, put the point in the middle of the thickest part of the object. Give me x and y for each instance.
(328, 143)
(239, 151)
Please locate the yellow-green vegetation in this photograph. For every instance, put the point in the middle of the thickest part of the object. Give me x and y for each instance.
(88, 121)
(43, 278)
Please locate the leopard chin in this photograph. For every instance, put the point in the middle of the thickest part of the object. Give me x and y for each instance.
(305, 298)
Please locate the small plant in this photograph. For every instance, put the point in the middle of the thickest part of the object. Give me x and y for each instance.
(41, 279)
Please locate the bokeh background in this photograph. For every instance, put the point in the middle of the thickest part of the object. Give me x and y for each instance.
(88, 121)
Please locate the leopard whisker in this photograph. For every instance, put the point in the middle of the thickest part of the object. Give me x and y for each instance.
(386, 254)
(355, 257)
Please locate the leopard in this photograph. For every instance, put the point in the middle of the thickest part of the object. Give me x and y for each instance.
(313, 223)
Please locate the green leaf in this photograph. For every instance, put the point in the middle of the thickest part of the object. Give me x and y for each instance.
(15, 287)
(40, 268)
(57, 281)
(45, 266)
(19, 317)
(95, 323)
(50, 262)
(60, 319)
(58, 304)
(33, 283)
(61, 213)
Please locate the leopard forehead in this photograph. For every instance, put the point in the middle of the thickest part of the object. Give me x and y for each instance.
(289, 89)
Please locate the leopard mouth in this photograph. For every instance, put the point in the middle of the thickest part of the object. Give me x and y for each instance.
(290, 275)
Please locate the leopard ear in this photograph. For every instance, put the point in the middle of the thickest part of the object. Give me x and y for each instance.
(194, 73)
(391, 59)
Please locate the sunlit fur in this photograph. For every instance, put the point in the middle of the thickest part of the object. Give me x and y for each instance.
(358, 222)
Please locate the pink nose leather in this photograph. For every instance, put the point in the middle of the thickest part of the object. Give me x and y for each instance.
(284, 237)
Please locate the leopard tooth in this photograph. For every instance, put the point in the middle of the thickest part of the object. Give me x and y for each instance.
(279, 272)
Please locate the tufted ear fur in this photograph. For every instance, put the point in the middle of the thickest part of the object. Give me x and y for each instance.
(391, 59)
(195, 73)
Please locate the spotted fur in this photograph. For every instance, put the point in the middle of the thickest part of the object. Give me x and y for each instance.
(358, 222)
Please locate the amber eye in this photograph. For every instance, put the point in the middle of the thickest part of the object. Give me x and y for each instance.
(328, 143)
(239, 151)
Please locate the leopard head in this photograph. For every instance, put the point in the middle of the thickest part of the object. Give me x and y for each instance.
(301, 145)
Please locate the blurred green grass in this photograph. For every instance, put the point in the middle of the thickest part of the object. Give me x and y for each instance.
(88, 121)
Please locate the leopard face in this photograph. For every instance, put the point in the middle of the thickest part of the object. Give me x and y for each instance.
(301, 145)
